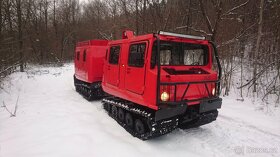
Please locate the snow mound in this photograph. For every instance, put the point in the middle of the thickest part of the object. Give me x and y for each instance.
(53, 120)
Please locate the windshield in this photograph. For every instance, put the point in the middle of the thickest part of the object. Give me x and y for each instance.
(179, 53)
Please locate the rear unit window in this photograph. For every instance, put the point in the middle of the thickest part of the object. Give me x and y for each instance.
(136, 55)
(78, 55)
(85, 55)
(114, 54)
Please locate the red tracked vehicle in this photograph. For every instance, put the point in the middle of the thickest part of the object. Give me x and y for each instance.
(158, 82)
(89, 60)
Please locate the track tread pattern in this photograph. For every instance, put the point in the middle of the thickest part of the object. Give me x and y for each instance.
(154, 129)
(89, 91)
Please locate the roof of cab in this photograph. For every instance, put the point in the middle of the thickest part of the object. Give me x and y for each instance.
(128, 36)
(132, 39)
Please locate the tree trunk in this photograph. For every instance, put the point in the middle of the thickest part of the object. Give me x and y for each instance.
(136, 18)
(46, 15)
(256, 53)
(1, 21)
(114, 36)
(144, 17)
(54, 18)
(20, 42)
(189, 20)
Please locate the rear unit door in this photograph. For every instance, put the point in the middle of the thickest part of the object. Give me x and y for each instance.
(113, 66)
(136, 67)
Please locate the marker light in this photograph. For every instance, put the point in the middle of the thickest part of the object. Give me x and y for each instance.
(164, 96)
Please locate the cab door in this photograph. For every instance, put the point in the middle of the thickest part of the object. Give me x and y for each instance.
(136, 67)
(113, 65)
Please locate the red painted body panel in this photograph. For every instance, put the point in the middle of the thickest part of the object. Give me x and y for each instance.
(139, 84)
(89, 60)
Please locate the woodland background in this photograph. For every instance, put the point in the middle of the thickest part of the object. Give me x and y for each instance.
(247, 33)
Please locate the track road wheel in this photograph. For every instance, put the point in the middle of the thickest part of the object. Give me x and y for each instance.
(106, 107)
(121, 114)
(114, 111)
(129, 120)
(139, 127)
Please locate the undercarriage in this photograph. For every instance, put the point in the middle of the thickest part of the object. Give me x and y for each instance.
(90, 91)
(140, 122)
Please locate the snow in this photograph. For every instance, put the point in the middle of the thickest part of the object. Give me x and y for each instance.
(52, 120)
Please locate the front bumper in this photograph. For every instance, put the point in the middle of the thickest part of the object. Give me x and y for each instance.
(209, 105)
(168, 110)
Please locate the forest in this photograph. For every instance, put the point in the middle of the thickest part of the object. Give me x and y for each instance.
(247, 34)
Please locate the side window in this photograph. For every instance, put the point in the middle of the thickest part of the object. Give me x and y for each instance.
(114, 54)
(136, 55)
(84, 55)
(78, 55)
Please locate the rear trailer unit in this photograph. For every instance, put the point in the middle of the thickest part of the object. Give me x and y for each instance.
(89, 60)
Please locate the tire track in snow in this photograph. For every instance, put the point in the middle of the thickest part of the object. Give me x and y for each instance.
(244, 124)
(225, 135)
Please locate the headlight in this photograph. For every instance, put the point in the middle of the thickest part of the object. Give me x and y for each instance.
(213, 91)
(164, 96)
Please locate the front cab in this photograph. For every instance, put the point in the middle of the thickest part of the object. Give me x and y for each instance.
(188, 80)
(177, 78)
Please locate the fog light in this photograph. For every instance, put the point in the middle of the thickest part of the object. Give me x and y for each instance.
(164, 96)
(213, 91)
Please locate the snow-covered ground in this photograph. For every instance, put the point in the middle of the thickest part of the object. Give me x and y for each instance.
(53, 120)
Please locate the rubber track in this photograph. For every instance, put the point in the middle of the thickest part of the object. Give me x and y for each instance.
(90, 92)
(158, 128)
(154, 130)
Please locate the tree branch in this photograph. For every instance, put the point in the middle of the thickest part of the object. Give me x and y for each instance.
(229, 12)
(208, 23)
(258, 75)
(196, 30)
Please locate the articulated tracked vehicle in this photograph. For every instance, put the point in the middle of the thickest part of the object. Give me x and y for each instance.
(158, 82)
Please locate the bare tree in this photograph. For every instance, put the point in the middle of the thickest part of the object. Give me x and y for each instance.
(45, 31)
(256, 52)
(19, 27)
